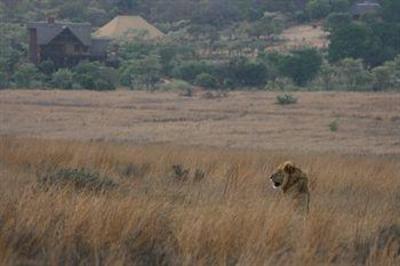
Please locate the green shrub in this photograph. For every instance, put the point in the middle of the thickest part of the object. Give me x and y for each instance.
(95, 76)
(229, 84)
(245, 72)
(382, 76)
(47, 67)
(334, 125)
(86, 81)
(336, 21)
(189, 70)
(26, 74)
(79, 179)
(301, 65)
(353, 75)
(138, 73)
(3, 80)
(281, 84)
(63, 79)
(206, 80)
(318, 8)
(286, 99)
(104, 85)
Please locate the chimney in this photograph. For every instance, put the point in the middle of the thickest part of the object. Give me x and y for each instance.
(51, 20)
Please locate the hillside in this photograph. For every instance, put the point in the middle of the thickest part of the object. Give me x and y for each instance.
(299, 36)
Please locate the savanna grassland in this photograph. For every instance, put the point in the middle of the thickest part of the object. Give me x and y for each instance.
(137, 178)
(366, 123)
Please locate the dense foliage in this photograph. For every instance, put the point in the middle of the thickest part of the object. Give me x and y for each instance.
(215, 44)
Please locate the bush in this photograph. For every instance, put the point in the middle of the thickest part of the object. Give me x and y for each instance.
(333, 126)
(79, 179)
(353, 75)
(3, 80)
(47, 67)
(340, 5)
(301, 66)
(381, 77)
(206, 80)
(189, 70)
(63, 79)
(280, 84)
(26, 75)
(136, 73)
(286, 99)
(318, 8)
(337, 20)
(95, 76)
(245, 72)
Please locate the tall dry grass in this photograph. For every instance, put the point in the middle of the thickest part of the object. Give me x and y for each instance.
(227, 216)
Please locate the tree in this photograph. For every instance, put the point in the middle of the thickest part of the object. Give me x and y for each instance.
(318, 8)
(26, 75)
(381, 78)
(301, 65)
(388, 73)
(216, 12)
(95, 76)
(63, 79)
(340, 5)
(127, 5)
(206, 80)
(374, 42)
(245, 72)
(327, 75)
(391, 11)
(141, 72)
(3, 80)
(74, 10)
(336, 21)
(12, 48)
(189, 70)
(350, 41)
(266, 26)
(353, 75)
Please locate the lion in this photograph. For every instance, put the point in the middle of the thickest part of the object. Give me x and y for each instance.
(293, 182)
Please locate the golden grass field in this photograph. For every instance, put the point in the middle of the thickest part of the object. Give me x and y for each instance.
(368, 123)
(223, 211)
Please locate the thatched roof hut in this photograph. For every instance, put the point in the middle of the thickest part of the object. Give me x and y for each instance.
(127, 28)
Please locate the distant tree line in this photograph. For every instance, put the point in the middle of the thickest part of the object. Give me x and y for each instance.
(207, 48)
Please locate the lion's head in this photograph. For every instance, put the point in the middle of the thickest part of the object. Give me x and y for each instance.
(280, 178)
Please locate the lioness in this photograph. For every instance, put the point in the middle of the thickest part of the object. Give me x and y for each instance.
(293, 182)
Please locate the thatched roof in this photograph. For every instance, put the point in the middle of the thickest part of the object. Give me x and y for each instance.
(46, 32)
(128, 27)
(365, 7)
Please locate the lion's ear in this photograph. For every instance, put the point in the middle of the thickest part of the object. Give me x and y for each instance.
(289, 167)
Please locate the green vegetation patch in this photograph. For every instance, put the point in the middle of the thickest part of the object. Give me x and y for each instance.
(79, 179)
(286, 99)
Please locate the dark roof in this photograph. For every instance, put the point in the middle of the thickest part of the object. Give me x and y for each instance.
(46, 32)
(365, 7)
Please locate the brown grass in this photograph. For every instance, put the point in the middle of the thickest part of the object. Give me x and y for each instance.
(230, 217)
(367, 122)
(301, 36)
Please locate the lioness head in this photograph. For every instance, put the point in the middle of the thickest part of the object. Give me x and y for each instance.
(282, 175)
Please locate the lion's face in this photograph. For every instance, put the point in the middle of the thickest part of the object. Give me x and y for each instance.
(281, 176)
